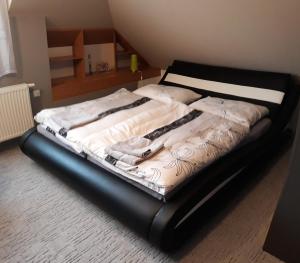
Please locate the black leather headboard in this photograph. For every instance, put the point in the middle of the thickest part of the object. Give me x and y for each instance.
(284, 83)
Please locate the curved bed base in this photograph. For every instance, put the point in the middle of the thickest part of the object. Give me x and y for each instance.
(162, 223)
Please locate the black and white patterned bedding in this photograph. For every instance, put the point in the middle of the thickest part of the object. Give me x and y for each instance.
(192, 139)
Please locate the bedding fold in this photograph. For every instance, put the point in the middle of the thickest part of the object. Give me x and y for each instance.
(187, 149)
(138, 149)
(77, 135)
(192, 141)
(132, 151)
(138, 125)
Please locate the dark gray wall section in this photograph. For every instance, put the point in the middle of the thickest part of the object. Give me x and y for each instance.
(31, 53)
(283, 239)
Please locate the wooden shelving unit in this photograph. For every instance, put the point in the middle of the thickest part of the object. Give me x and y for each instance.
(63, 88)
(81, 83)
(63, 58)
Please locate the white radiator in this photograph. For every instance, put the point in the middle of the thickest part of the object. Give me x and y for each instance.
(15, 111)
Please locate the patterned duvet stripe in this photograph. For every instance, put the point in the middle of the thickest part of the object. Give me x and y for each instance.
(163, 130)
(48, 129)
(64, 132)
(174, 125)
(125, 107)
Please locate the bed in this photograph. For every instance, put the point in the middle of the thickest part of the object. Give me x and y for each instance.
(163, 219)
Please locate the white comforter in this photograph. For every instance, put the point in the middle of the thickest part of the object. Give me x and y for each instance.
(187, 150)
(138, 125)
(136, 120)
(76, 136)
(85, 115)
(82, 113)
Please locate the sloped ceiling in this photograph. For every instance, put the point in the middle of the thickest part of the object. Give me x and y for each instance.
(240, 33)
(67, 13)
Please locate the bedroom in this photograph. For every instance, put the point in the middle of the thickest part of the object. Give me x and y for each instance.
(44, 217)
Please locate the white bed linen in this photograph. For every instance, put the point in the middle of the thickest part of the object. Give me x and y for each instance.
(138, 119)
(238, 111)
(187, 150)
(134, 151)
(78, 134)
(81, 113)
(138, 125)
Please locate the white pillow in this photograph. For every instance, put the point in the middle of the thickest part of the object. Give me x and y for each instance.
(241, 112)
(168, 93)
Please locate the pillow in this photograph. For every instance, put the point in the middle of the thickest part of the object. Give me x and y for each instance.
(240, 112)
(168, 93)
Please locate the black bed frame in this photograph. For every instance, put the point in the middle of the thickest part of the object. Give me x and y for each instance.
(165, 223)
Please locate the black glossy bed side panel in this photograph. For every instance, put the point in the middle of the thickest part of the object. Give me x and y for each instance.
(151, 218)
(130, 205)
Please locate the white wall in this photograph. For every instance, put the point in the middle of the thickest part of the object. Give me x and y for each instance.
(67, 13)
(254, 34)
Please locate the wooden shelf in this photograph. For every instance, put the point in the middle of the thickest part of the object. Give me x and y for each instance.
(62, 80)
(67, 87)
(124, 52)
(81, 83)
(98, 36)
(62, 38)
(63, 59)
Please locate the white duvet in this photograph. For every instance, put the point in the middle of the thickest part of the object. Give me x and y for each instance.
(76, 136)
(138, 125)
(83, 114)
(79, 114)
(187, 150)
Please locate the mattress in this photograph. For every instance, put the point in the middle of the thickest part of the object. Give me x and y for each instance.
(48, 134)
(256, 132)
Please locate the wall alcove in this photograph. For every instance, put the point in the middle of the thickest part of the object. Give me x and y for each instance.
(76, 43)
